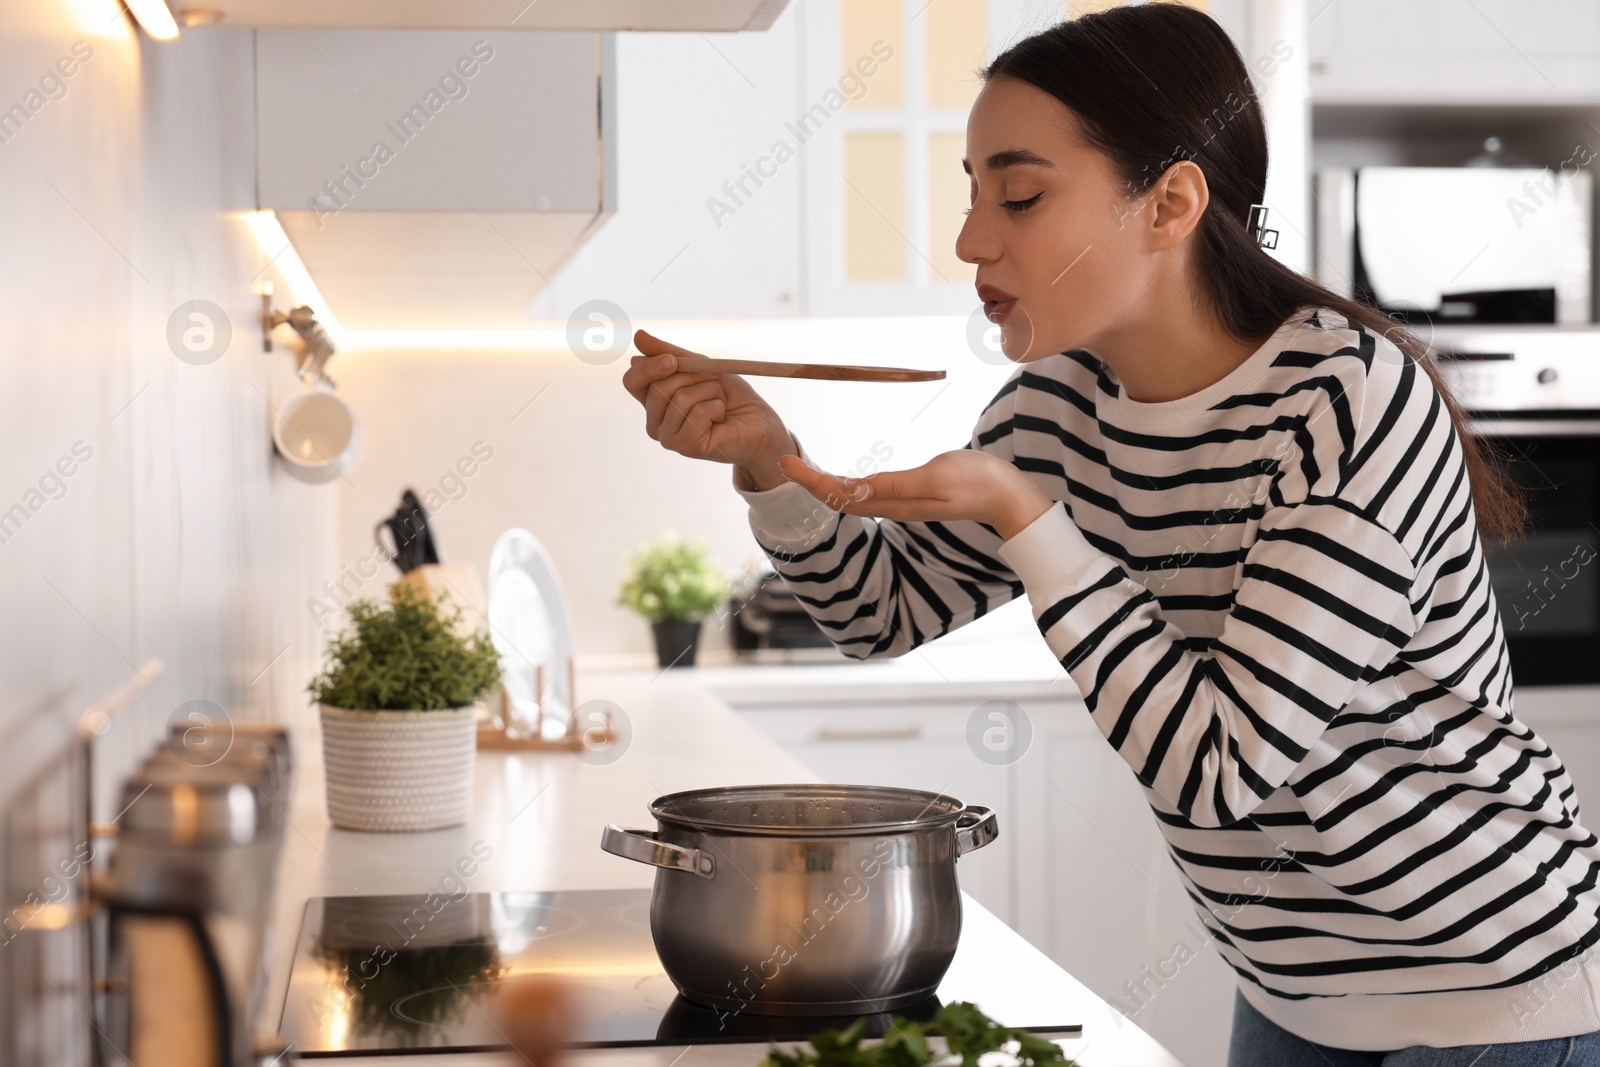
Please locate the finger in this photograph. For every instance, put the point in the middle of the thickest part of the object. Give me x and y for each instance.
(836, 494)
(658, 399)
(701, 419)
(685, 399)
(824, 486)
(652, 346)
(643, 371)
(697, 427)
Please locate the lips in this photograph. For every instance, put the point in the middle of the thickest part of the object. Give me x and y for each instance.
(997, 303)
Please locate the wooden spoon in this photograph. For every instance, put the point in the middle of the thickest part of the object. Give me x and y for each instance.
(833, 372)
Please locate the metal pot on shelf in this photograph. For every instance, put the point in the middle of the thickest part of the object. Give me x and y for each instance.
(805, 899)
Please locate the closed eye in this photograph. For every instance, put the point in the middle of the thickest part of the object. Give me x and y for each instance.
(1014, 205)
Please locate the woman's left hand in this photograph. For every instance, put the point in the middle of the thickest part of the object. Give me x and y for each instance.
(964, 484)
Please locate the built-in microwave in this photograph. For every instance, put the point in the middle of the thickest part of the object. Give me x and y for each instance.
(1470, 244)
(1533, 396)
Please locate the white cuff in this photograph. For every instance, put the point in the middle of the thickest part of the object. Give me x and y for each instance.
(787, 514)
(1051, 556)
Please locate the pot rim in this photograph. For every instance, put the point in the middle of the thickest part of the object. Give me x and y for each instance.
(939, 809)
(376, 712)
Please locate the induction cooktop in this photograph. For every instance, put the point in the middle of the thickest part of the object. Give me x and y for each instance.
(388, 974)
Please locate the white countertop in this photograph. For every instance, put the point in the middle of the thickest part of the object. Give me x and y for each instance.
(1003, 648)
(541, 814)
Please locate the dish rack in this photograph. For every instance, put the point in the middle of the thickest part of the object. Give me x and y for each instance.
(501, 735)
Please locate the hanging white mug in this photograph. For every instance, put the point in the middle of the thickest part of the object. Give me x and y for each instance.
(318, 436)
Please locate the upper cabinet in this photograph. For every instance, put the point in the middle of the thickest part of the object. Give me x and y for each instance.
(707, 222)
(444, 178)
(1454, 51)
(434, 179)
(695, 16)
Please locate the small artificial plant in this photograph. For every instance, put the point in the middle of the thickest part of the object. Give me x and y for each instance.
(405, 656)
(671, 580)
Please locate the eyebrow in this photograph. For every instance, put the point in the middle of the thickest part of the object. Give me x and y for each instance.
(1011, 157)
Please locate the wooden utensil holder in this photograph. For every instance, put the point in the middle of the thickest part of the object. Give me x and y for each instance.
(497, 738)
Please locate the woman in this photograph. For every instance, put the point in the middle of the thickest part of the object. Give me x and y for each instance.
(1248, 523)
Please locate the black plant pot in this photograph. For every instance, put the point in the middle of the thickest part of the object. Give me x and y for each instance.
(676, 640)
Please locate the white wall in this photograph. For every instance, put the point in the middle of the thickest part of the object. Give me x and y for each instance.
(178, 538)
(577, 468)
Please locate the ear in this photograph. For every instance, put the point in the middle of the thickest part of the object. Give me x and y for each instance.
(1177, 200)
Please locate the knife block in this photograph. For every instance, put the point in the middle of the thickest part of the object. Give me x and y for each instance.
(457, 581)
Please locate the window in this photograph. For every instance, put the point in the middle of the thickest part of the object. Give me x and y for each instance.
(885, 89)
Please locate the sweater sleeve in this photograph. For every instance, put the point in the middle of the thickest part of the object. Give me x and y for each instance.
(1323, 607)
(880, 588)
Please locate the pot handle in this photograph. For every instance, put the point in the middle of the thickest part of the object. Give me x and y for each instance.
(645, 847)
(975, 827)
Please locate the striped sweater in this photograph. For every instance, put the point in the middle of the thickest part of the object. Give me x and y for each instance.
(1274, 601)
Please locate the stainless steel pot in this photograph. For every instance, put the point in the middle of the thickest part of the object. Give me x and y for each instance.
(805, 899)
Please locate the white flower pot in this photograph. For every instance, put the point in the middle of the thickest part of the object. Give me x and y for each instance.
(399, 770)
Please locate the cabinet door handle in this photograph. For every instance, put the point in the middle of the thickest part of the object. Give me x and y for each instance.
(888, 733)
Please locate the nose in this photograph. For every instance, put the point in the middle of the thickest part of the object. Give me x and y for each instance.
(977, 242)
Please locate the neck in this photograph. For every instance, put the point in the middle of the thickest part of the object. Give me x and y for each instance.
(1172, 348)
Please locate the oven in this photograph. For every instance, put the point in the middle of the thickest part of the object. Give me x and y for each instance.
(1534, 397)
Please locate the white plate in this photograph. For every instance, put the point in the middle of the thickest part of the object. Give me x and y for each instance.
(530, 625)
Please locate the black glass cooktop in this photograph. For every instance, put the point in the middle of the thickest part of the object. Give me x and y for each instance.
(387, 974)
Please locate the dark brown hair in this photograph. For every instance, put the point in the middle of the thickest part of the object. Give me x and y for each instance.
(1156, 83)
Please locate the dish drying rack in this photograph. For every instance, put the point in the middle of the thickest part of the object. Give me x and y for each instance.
(502, 735)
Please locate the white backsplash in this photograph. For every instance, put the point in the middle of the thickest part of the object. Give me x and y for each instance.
(576, 467)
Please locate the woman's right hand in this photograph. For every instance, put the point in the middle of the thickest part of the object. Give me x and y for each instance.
(717, 417)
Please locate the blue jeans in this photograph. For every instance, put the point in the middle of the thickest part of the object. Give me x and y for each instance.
(1259, 1042)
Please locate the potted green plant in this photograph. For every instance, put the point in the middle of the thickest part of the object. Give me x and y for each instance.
(399, 725)
(674, 586)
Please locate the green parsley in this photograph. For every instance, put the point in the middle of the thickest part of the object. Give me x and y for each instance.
(968, 1033)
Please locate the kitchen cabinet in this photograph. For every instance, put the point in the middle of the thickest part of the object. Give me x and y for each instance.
(1101, 896)
(708, 16)
(1080, 868)
(696, 116)
(434, 179)
(1454, 51)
